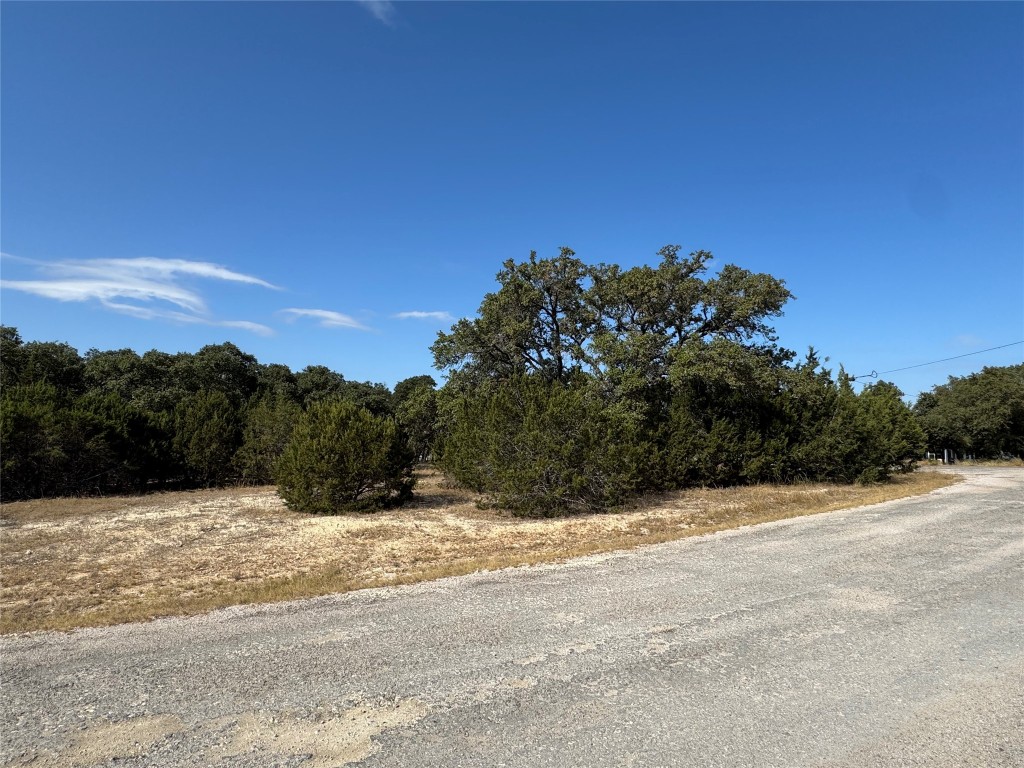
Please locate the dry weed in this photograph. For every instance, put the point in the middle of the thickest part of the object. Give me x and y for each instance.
(71, 563)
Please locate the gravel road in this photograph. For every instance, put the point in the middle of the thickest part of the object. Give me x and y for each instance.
(890, 635)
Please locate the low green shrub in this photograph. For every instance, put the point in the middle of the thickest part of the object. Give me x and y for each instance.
(341, 457)
(544, 449)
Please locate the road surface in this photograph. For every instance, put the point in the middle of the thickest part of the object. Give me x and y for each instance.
(890, 635)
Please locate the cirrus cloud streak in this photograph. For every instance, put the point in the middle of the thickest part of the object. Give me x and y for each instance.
(416, 314)
(147, 288)
(146, 313)
(326, 318)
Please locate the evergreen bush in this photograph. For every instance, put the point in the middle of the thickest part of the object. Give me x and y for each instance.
(543, 448)
(342, 457)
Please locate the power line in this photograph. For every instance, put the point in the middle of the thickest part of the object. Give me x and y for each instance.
(876, 374)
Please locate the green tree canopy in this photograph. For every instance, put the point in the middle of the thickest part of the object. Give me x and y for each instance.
(415, 405)
(558, 317)
(224, 368)
(12, 356)
(207, 432)
(318, 382)
(981, 414)
(117, 421)
(51, 362)
(269, 421)
(411, 386)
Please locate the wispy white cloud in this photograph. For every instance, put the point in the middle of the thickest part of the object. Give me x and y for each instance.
(21, 259)
(416, 314)
(106, 290)
(968, 340)
(326, 317)
(146, 313)
(247, 325)
(141, 287)
(168, 269)
(382, 10)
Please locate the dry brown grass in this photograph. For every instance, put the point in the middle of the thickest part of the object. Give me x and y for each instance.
(70, 563)
(992, 462)
(1013, 462)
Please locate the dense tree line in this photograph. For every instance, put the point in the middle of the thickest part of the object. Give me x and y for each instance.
(577, 386)
(980, 415)
(119, 422)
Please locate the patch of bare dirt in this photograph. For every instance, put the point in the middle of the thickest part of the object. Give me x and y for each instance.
(106, 741)
(329, 742)
(324, 741)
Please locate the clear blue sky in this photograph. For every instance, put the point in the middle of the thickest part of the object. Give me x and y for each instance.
(344, 163)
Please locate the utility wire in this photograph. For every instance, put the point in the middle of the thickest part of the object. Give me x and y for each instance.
(876, 374)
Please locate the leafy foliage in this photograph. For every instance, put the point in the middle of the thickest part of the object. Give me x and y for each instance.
(317, 382)
(577, 386)
(415, 405)
(119, 422)
(55, 444)
(894, 440)
(30, 464)
(740, 416)
(559, 317)
(269, 421)
(222, 368)
(981, 414)
(342, 457)
(544, 448)
(207, 433)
